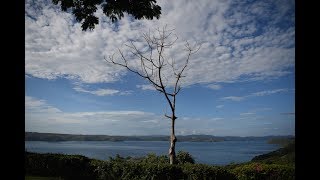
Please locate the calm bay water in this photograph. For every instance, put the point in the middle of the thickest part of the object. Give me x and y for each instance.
(217, 153)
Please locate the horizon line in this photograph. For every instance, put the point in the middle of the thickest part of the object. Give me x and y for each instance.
(159, 135)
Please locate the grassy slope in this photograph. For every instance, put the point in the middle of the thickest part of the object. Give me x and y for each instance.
(285, 155)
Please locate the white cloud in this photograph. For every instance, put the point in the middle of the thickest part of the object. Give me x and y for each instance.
(214, 86)
(288, 113)
(146, 87)
(41, 117)
(246, 114)
(99, 92)
(217, 119)
(85, 88)
(256, 94)
(151, 121)
(238, 40)
(262, 109)
(219, 106)
(264, 93)
(39, 106)
(233, 98)
(125, 93)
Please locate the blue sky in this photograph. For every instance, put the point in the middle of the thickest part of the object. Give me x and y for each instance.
(240, 83)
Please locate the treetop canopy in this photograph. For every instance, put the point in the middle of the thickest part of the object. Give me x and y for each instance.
(84, 10)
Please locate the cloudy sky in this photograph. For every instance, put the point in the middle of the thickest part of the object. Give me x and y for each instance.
(240, 83)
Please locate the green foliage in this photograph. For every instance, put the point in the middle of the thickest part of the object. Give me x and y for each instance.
(158, 167)
(153, 158)
(283, 156)
(181, 158)
(264, 171)
(84, 10)
(276, 165)
(149, 167)
(184, 157)
(130, 170)
(202, 171)
(59, 165)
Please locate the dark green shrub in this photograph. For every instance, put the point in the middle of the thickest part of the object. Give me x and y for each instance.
(131, 170)
(153, 158)
(264, 171)
(146, 169)
(202, 171)
(59, 165)
(184, 157)
(149, 167)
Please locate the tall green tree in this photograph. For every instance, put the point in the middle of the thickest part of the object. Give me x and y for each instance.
(84, 10)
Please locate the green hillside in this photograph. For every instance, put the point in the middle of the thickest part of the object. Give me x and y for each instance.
(285, 155)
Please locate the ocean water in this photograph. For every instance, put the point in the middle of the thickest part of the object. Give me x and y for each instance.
(215, 153)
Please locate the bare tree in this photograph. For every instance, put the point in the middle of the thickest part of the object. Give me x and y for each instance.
(161, 72)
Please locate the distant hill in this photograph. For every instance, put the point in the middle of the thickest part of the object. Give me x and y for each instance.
(249, 138)
(34, 136)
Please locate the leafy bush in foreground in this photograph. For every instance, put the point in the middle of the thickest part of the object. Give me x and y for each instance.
(202, 171)
(130, 170)
(59, 165)
(264, 171)
(184, 157)
(153, 158)
(149, 167)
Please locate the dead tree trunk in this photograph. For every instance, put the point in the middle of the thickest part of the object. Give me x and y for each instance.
(153, 69)
(173, 139)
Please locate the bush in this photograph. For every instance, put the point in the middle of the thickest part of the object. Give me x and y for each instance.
(130, 170)
(202, 171)
(149, 167)
(181, 158)
(59, 165)
(153, 158)
(184, 157)
(264, 171)
(158, 168)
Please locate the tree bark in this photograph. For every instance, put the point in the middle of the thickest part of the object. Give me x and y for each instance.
(173, 139)
(151, 69)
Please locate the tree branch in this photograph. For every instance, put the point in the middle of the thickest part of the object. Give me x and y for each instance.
(152, 69)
